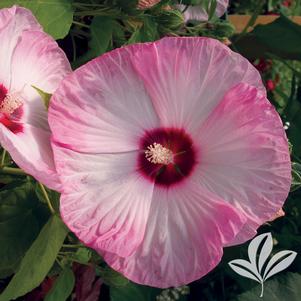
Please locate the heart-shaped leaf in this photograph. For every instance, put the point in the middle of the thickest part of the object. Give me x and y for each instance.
(37, 261)
(19, 224)
(62, 287)
(55, 16)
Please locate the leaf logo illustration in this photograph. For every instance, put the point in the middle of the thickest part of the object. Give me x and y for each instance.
(259, 250)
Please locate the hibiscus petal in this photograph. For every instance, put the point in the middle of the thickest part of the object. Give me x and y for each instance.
(44, 64)
(106, 103)
(221, 7)
(13, 21)
(244, 155)
(37, 62)
(31, 150)
(185, 233)
(112, 214)
(247, 232)
(188, 77)
(32, 58)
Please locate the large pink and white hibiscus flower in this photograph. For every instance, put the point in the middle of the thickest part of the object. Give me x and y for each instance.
(167, 152)
(28, 58)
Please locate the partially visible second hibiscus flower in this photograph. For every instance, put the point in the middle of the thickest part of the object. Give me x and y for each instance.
(199, 13)
(28, 58)
(167, 152)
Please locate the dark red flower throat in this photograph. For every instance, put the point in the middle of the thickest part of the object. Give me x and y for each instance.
(167, 157)
(3, 93)
(10, 111)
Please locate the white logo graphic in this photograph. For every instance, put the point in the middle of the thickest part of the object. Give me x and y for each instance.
(254, 268)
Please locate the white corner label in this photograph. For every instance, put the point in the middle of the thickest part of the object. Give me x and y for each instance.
(258, 258)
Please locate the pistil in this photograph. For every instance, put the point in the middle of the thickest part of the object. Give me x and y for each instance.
(158, 154)
(10, 103)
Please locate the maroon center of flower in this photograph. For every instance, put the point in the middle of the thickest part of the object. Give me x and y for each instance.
(167, 156)
(10, 110)
(3, 92)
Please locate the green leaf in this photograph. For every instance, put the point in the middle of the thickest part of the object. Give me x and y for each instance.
(168, 21)
(54, 196)
(101, 35)
(82, 255)
(55, 16)
(281, 38)
(111, 277)
(174, 294)
(192, 2)
(45, 96)
(292, 113)
(101, 31)
(211, 9)
(119, 36)
(63, 286)
(285, 287)
(133, 292)
(294, 132)
(38, 260)
(148, 32)
(18, 224)
(128, 6)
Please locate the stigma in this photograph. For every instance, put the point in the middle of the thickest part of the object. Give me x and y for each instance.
(158, 154)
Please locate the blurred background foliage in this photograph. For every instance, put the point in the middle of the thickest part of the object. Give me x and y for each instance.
(41, 260)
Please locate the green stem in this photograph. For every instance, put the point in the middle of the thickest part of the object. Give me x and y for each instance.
(45, 194)
(252, 20)
(3, 157)
(80, 24)
(59, 263)
(73, 246)
(12, 171)
(97, 12)
(78, 4)
(63, 253)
